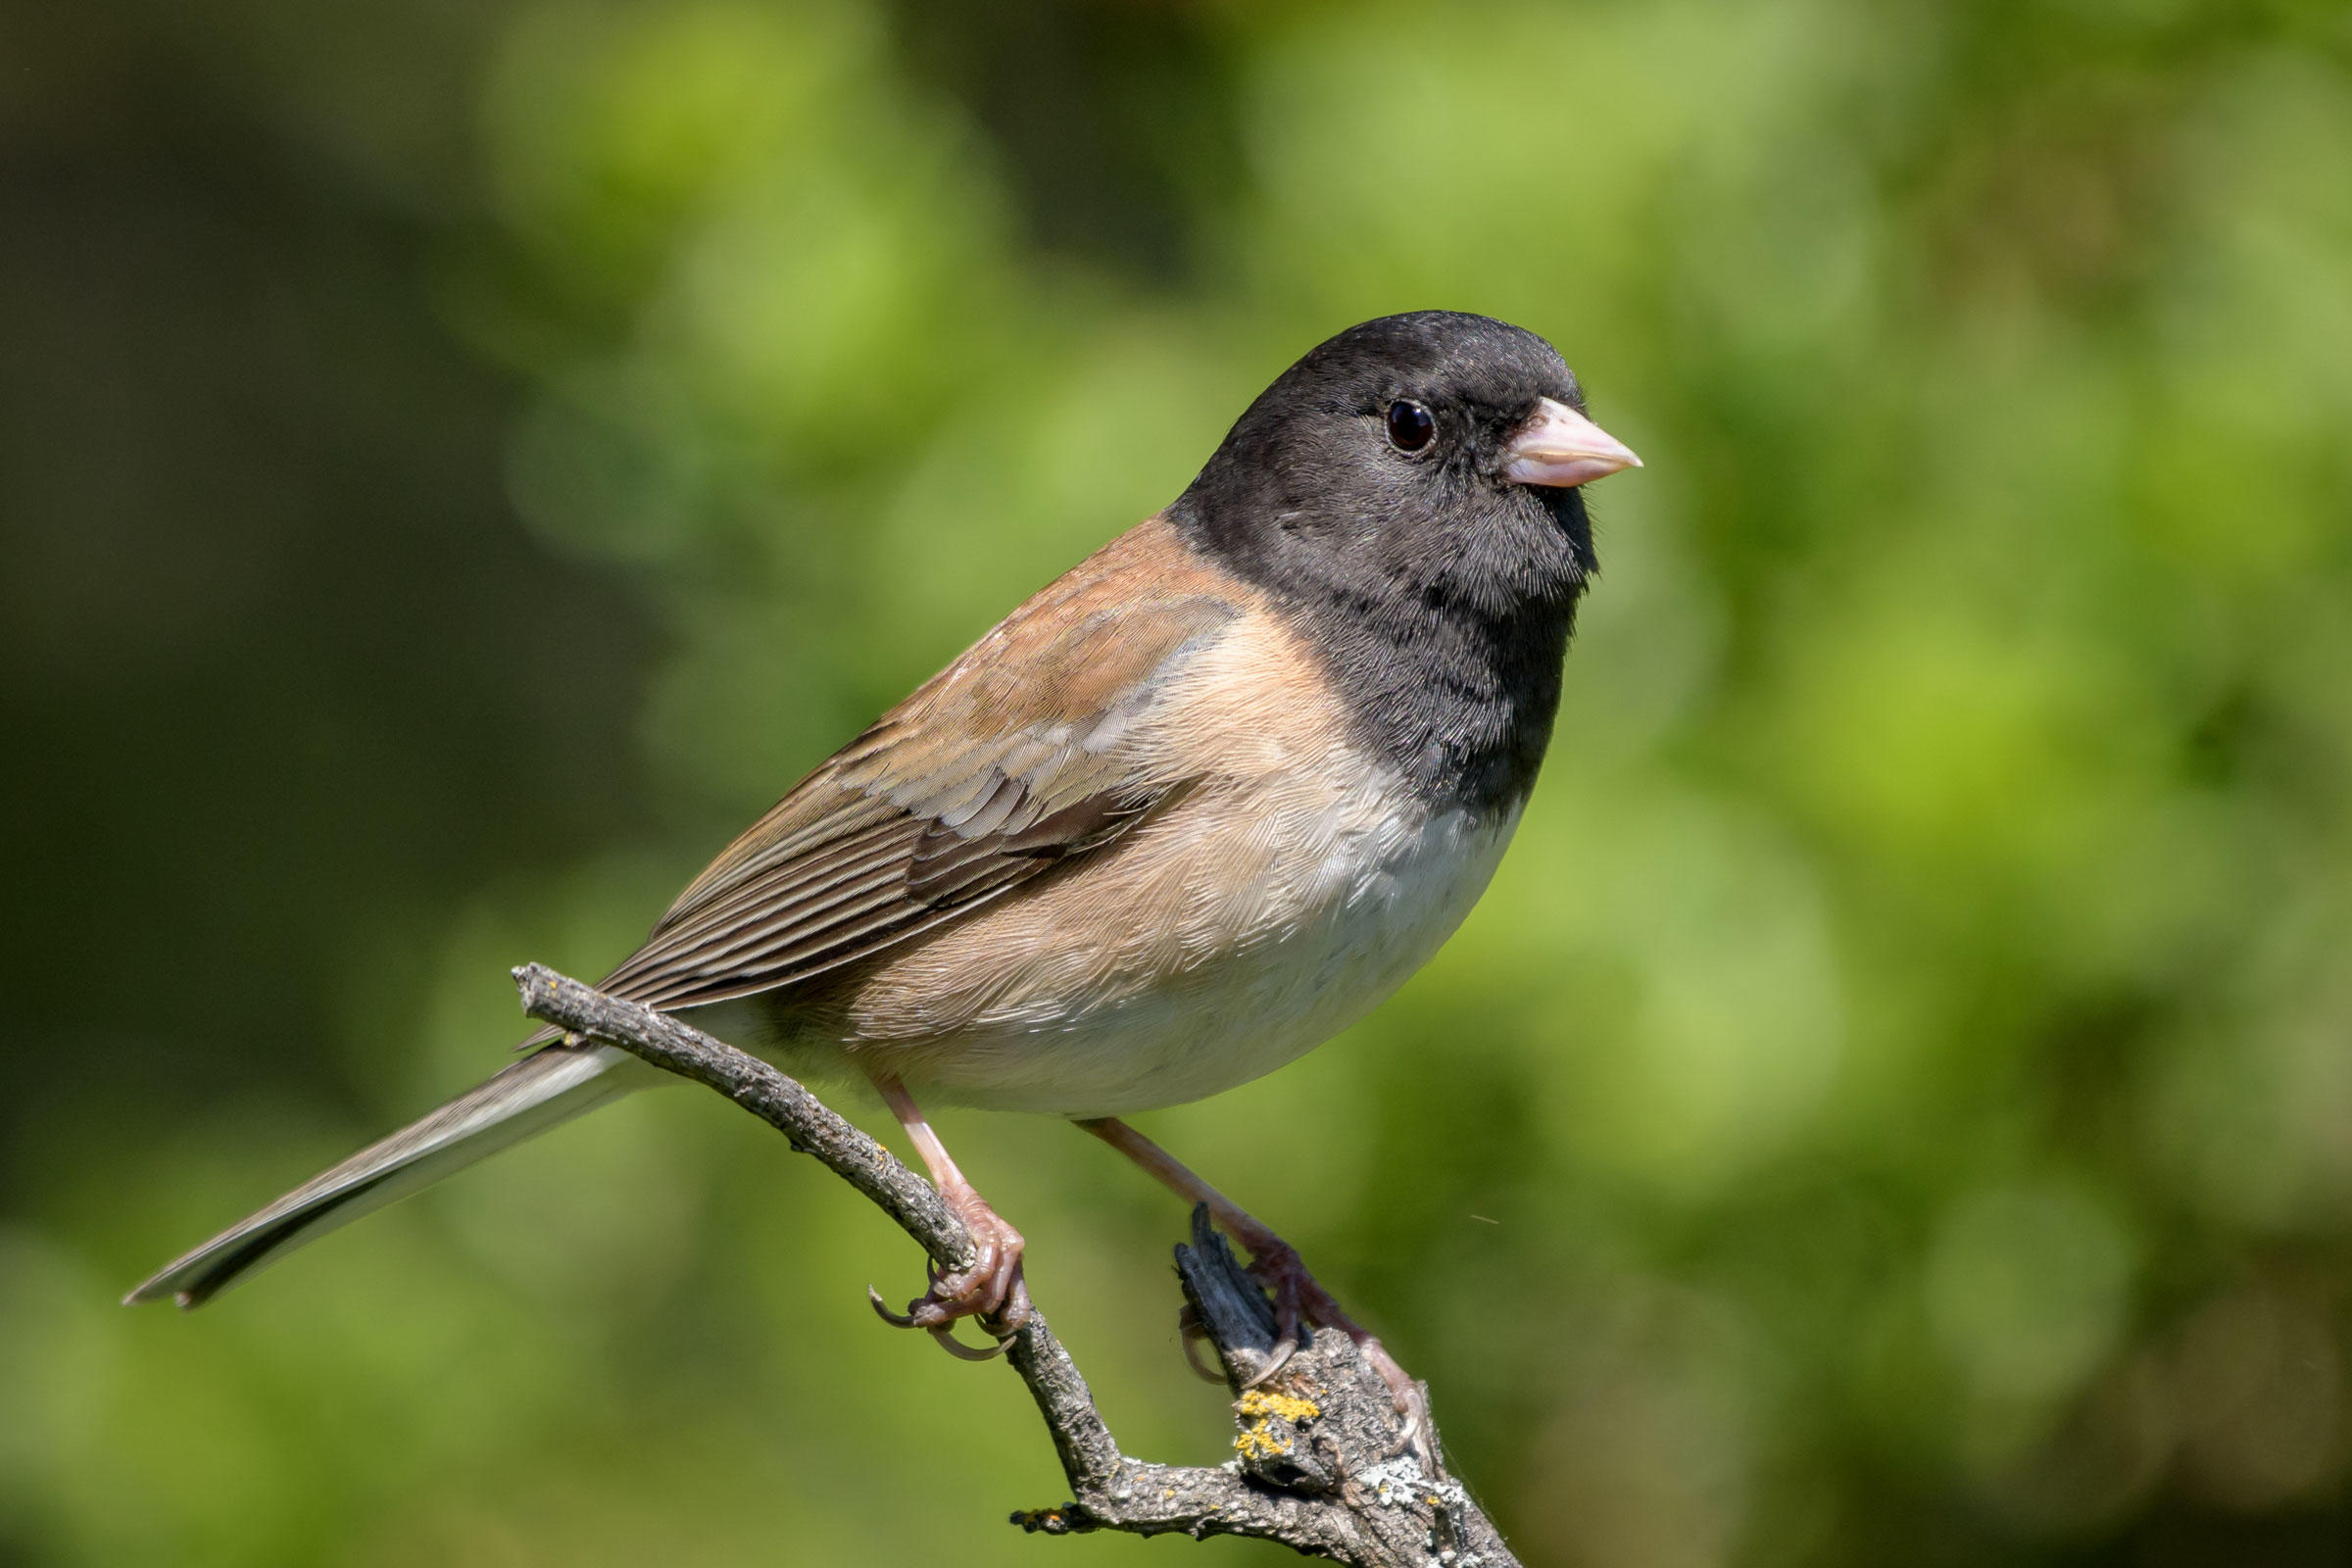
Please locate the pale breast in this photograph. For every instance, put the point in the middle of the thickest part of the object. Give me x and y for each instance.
(1293, 886)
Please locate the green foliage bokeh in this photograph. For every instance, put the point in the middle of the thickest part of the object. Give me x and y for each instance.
(1895, 1103)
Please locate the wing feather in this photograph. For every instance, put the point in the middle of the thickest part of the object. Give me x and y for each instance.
(1018, 756)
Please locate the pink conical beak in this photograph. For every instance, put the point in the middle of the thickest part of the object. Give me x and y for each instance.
(1558, 446)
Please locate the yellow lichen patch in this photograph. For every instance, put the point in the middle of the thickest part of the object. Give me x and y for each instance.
(1261, 1403)
(1254, 1442)
(1258, 1407)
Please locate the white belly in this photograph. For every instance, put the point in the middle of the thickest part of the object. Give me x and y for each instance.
(1323, 912)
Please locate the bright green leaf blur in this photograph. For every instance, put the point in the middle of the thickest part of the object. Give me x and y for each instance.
(458, 464)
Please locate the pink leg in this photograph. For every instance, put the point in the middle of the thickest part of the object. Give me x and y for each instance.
(1274, 1263)
(990, 1287)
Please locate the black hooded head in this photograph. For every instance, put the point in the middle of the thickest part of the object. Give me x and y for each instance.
(1372, 490)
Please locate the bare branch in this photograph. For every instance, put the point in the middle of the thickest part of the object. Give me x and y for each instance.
(1320, 1464)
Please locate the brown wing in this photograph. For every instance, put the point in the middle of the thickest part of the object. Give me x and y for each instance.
(1013, 757)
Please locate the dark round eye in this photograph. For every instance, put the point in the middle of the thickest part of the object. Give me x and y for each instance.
(1411, 426)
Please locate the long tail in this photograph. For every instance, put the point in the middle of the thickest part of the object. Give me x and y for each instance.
(547, 1087)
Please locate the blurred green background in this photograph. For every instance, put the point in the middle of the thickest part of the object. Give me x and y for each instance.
(462, 459)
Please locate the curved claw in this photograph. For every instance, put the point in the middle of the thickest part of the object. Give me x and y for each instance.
(896, 1320)
(955, 1296)
(1191, 1334)
(988, 1285)
(1276, 1359)
(1277, 1266)
(945, 1334)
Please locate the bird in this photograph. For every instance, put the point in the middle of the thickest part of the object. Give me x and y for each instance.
(1194, 808)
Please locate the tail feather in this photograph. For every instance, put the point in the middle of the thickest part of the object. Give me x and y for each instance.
(545, 1088)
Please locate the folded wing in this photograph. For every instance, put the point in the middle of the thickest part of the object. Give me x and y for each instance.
(1020, 755)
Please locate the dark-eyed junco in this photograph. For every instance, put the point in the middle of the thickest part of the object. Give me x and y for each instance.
(1184, 815)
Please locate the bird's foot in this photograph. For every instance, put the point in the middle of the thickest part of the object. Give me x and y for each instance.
(1300, 1302)
(989, 1288)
